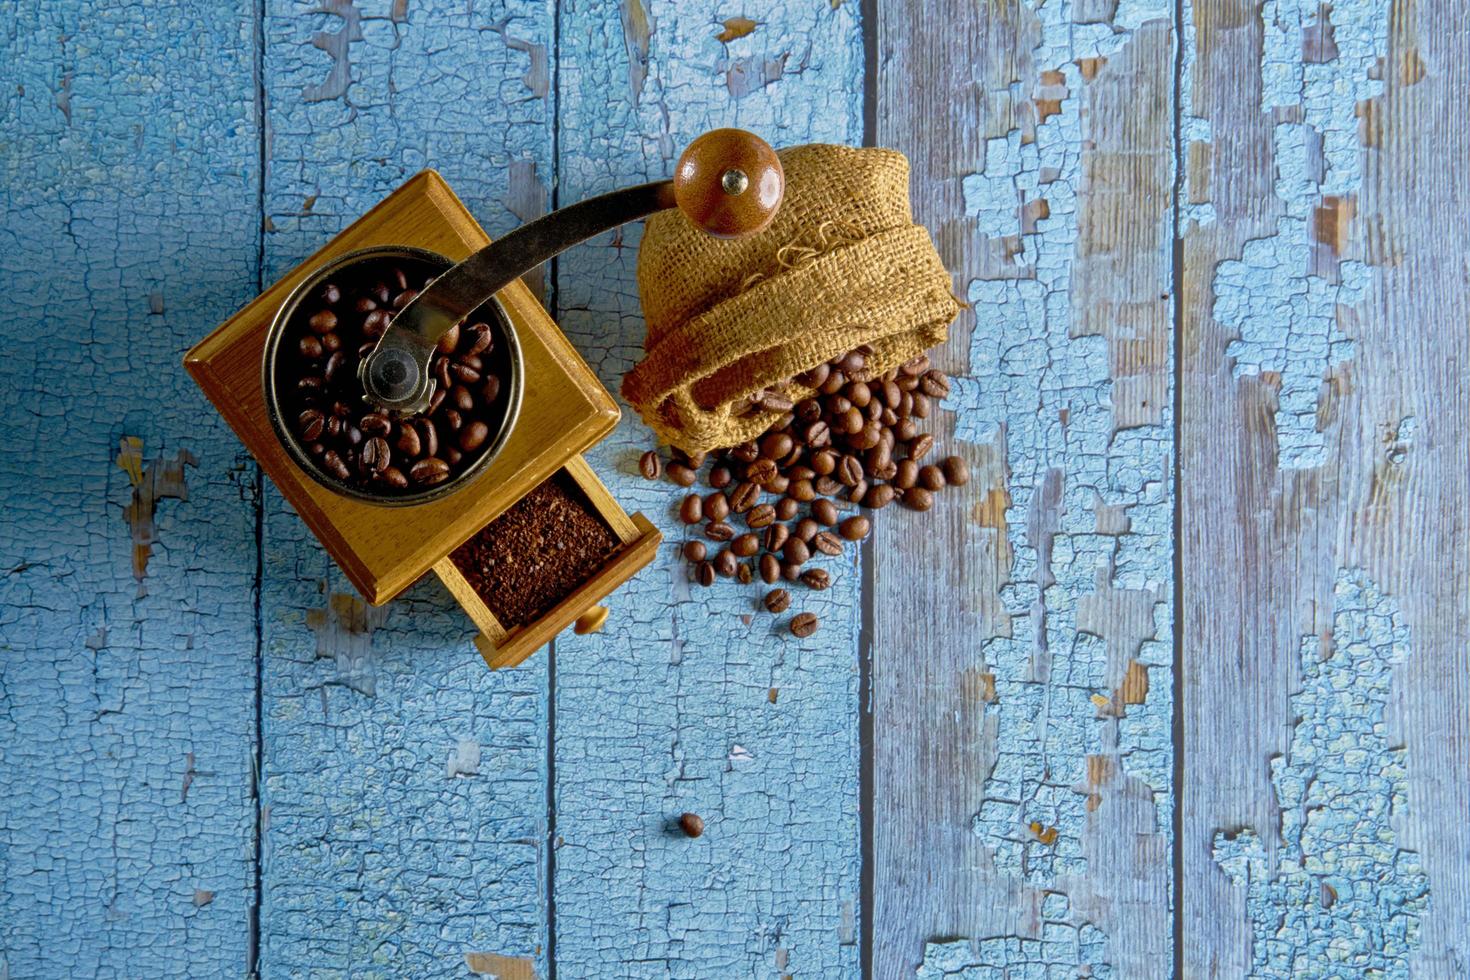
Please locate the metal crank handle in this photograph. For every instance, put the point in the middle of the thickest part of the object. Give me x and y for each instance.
(728, 182)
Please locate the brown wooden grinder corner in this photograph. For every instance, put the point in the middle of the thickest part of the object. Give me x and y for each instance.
(564, 411)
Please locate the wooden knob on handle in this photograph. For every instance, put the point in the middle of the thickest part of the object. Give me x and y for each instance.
(729, 183)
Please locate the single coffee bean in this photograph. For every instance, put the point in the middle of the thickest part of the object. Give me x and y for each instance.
(331, 341)
(334, 364)
(451, 455)
(761, 515)
(774, 401)
(825, 511)
(880, 495)
(408, 442)
(311, 423)
(849, 471)
(776, 536)
(375, 323)
(725, 563)
(477, 339)
(859, 394)
(817, 435)
(915, 367)
(744, 496)
(695, 550)
(461, 399)
(681, 474)
(398, 277)
(375, 454)
(330, 294)
(464, 372)
(761, 472)
(795, 550)
(827, 543)
(364, 304)
(394, 477)
(856, 494)
(801, 473)
(428, 437)
(816, 578)
(323, 321)
(802, 490)
(921, 405)
(436, 400)
(311, 346)
(471, 360)
(473, 435)
(806, 529)
(716, 506)
(335, 464)
(744, 574)
(823, 462)
(452, 419)
(746, 452)
(429, 471)
(804, 624)
(490, 390)
(835, 380)
(906, 475)
(917, 498)
(827, 486)
(905, 430)
(934, 384)
(404, 298)
(791, 571)
(334, 428)
(746, 545)
(649, 465)
(719, 531)
(776, 445)
(720, 477)
(815, 377)
(448, 340)
(779, 484)
(956, 471)
(310, 384)
(704, 574)
(853, 362)
(375, 424)
(931, 477)
(770, 568)
(787, 508)
(870, 436)
(855, 528)
(691, 824)
(777, 601)
(920, 446)
(691, 511)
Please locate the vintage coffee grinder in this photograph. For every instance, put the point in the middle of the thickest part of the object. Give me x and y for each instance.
(403, 388)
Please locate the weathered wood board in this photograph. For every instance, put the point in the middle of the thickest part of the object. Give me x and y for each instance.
(1326, 489)
(129, 176)
(403, 783)
(1021, 651)
(689, 700)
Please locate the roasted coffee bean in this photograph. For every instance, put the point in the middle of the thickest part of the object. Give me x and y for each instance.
(779, 484)
(827, 542)
(429, 471)
(849, 471)
(806, 529)
(870, 435)
(801, 473)
(817, 435)
(804, 624)
(921, 406)
(884, 471)
(859, 394)
(746, 545)
(825, 511)
(744, 574)
(681, 474)
(375, 454)
(461, 399)
(906, 429)
(691, 511)
(452, 419)
(777, 601)
(920, 446)
(375, 424)
(855, 528)
(906, 475)
(917, 498)
(311, 422)
(335, 464)
(394, 477)
(334, 427)
(323, 321)
(451, 455)
(720, 477)
(695, 550)
(856, 494)
(815, 377)
(404, 298)
(719, 531)
(931, 477)
(490, 390)
(835, 380)
(787, 508)
(744, 496)
(364, 304)
(311, 384)
(448, 340)
(331, 341)
(761, 472)
(816, 578)
(934, 384)
(650, 466)
(823, 462)
(311, 346)
(879, 496)
(915, 367)
(746, 452)
(463, 372)
(774, 401)
(716, 506)
(376, 322)
(330, 294)
(776, 536)
(790, 571)
(315, 448)
(691, 824)
(477, 340)
(704, 574)
(334, 364)
(802, 490)
(852, 363)
(471, 361)
(473, 435)
(725, 563)
(795, 550)
(827, 486)
(956, 471)
(441, 372)
(761, 515)
(408, 442)
(776, 445)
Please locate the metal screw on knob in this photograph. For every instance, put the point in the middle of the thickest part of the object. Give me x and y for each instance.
(734, 181)
(391, 375)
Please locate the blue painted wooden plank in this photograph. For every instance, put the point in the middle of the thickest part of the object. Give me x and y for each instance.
(689, 699)
(127, 630)
(405, 783)
(1024, 759)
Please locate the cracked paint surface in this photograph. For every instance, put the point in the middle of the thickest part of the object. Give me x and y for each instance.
(403, 783)
(1285, 294)
(1064, 949)
(1082, 450)
(1346, 897)
(126, 718)
(671, 707)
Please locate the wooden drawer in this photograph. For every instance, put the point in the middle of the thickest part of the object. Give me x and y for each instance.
(503, 647)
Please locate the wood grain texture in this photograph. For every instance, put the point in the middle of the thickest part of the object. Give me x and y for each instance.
(405, 783)
(1325, 503)
(670, 707)
(127, 637)
(1021, 631)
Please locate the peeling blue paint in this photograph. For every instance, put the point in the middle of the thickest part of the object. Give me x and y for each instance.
(1346, 897)
(668, 708)
(1064, 949)
(1275, 295)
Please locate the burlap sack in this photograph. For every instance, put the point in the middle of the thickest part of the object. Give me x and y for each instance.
(841, 265)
